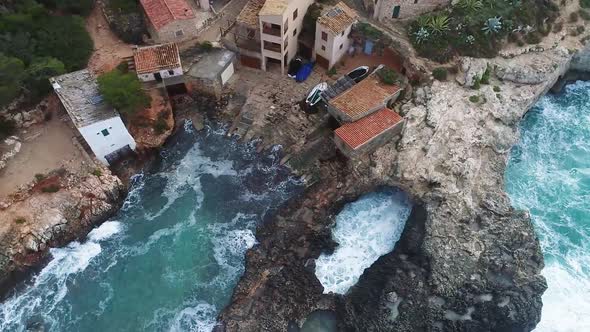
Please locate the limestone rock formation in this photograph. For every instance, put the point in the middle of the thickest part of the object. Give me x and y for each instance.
(40, 219)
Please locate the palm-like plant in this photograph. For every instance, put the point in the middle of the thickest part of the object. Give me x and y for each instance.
(421, 35)
(470, 5)
(438, 24)
(492, 25)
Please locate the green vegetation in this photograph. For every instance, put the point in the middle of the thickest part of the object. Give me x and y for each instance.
(476, 83)
(474, 99)
(35, 44)
(123, 91)
(50, 189)
(124, 6)
(20, 220)
(311, 16)
(485, 77)
(332, 72)
(478, 28)
(388, 76)
(160, 126)
(7, 127)
(77, 7)
(497, 88)
(40, 177)
(440, 73)
(369, 31)
(97, 172)
(585, 3)
(206, 46)
(584, 15)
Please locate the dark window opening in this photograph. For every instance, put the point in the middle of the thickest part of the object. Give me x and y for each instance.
(295, 14)
(171, 72)
(324, 36)
(105, 132)
(295, 32)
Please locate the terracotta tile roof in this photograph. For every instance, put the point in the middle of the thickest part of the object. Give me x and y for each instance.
(338, 18)
(364, 96)
(357, 133)
(162, 12)
(274, 7)
(249, 14)
(155, 58)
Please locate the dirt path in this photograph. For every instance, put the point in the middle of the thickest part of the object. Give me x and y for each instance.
(109, 50)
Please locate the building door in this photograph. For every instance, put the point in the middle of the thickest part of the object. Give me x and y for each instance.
(249, 61)
(322, 62)
(396, 10)
(158, 77)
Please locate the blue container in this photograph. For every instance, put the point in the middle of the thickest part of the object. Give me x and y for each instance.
(304, 72)
(369, 47)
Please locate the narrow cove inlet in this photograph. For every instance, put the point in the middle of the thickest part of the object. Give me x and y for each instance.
(170, 258)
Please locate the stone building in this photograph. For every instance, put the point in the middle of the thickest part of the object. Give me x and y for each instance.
(266, 32)
(369, 133)
(212, 71)
(402, 9)
(175, 20)
(98, 123)
(157, 63)
(368, 96)
(332, 34)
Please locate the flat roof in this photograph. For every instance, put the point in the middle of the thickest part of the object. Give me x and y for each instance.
(162, 12)
(249, 14)
(78, 92)
(211, 64)
(338, 18)
(364, 96)
(274, 7)
(355, 134)
(151, 59)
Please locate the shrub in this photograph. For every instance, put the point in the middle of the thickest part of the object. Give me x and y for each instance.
(474, 99)
(332, 71)
(440, 73)
(476, 83)
(388, 76)
(585, 3)
(533, 38)
(160, 126)
(485, 77)
(7, 127)
(124, 6)
(206, 46)
(20, 220)
(123, 91)
(584, 15)
(53, 188)
(12, 73)
(38, 74)
(39, 177)
(557, 27)
(580, 29)
(496, 88)
(573, 17)
(97, 172)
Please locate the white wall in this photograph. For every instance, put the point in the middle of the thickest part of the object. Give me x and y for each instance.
(332, 53)
(164, 73)
(227, 73)
(118, 137)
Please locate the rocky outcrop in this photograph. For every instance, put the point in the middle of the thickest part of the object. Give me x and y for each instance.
(467, 261)
(57, 210)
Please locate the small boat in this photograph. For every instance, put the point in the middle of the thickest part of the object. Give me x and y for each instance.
(314, 96)
(359, 73)
(294, 67)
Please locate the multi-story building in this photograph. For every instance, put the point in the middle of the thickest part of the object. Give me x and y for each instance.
(332, 34)
(275, 26)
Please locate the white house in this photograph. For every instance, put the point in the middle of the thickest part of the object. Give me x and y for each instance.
(158, 62)
(97, 122)
(331, 35)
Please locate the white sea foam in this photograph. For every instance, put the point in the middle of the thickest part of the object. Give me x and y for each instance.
(365, 230)
(199, 318)
(65, 262)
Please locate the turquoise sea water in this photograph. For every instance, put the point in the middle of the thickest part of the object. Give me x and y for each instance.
(170, 259)
(549, 175)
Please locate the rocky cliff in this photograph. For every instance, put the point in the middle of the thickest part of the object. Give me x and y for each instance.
(467, 261)
(56, 210)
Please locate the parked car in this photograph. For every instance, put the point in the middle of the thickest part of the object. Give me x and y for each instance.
(294, 67)
(359, 73)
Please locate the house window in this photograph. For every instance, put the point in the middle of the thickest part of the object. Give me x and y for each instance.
(323, 48)
(341, 46)
(179, 33)
(294, 14)
(294, 32)
(105, 132)
(171, 72)
(324, 35)
(342, 34)
(396, 10)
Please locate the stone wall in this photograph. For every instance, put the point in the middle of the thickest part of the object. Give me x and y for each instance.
(167, 33)
(383, 9)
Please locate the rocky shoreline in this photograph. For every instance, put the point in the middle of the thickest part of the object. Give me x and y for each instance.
(467, 261)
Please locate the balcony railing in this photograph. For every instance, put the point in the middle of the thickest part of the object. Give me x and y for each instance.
(272, 46)
(271, 29)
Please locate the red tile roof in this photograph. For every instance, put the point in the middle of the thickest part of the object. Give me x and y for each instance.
(364, 96)
(155, 58)
(162, 12)
(357, 133)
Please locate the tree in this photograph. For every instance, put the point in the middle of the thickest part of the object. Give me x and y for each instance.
(78, 7)
(39, 72)
(123, 91)
(12, 73)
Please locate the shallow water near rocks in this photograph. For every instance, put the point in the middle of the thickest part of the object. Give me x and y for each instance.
(548, 174)
(171, 257)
